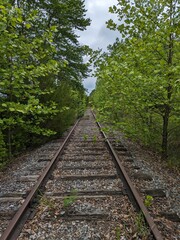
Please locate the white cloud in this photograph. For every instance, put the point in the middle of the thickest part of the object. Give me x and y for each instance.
(98, 12)
(97, 35)
(89, 84)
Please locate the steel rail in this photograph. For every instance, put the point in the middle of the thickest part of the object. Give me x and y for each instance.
(15, 221)
(139, 202)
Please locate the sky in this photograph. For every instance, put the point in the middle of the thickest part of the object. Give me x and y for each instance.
(97, 35)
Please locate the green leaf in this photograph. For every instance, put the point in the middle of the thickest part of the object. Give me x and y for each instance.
(28, 25)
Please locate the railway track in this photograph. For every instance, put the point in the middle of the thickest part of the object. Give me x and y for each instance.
(83, 192)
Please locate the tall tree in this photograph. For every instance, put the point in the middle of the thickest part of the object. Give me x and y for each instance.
(147, 61)
(22, 64)
(68, 17)
(40, 50)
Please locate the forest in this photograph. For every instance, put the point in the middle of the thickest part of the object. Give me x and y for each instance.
(41, 71)
(138, 79)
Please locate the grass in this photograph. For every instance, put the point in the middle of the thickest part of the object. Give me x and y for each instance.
(118, 233)
(85, 137)
(69, 200)
(141, 226)
(48, 203)
(94, 139)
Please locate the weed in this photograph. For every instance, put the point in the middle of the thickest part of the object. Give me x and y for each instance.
(148, 201)
(141, 225)
(48, 203)
(94, 139)
(106, 130)
(85, 137)
(118, 233)
(68, 200)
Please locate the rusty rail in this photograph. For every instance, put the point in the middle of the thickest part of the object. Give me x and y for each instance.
(10, 232)
(133, 192)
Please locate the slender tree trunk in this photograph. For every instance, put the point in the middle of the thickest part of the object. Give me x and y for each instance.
(164, 146)
(9, 144)
(10, 97)
(167, 107)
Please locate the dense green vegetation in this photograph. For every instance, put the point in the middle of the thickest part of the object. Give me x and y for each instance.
(138, 80)
(41, 70)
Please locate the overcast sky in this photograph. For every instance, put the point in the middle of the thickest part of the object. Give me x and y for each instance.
(97, 35)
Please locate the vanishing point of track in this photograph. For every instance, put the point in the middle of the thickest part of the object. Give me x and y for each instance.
(88, 183)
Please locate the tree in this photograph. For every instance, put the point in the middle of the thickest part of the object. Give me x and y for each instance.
(67, 16)
(40, 51)
(22, 64)
(147, 64)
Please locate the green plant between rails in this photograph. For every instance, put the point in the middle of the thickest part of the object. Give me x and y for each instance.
(118, 233)
(50, 203)
(148, 201)
(45, 201)
(85, 137)
(141, 226)
(69, 200)
(94, 139)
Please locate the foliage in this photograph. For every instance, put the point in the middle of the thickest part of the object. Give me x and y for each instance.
(41, 58)
(24, 62)
(71, 104)
(138, 79)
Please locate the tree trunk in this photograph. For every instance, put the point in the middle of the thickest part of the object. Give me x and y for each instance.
(9, 144)
(167, 108)
(164, 154)
(10, 98)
